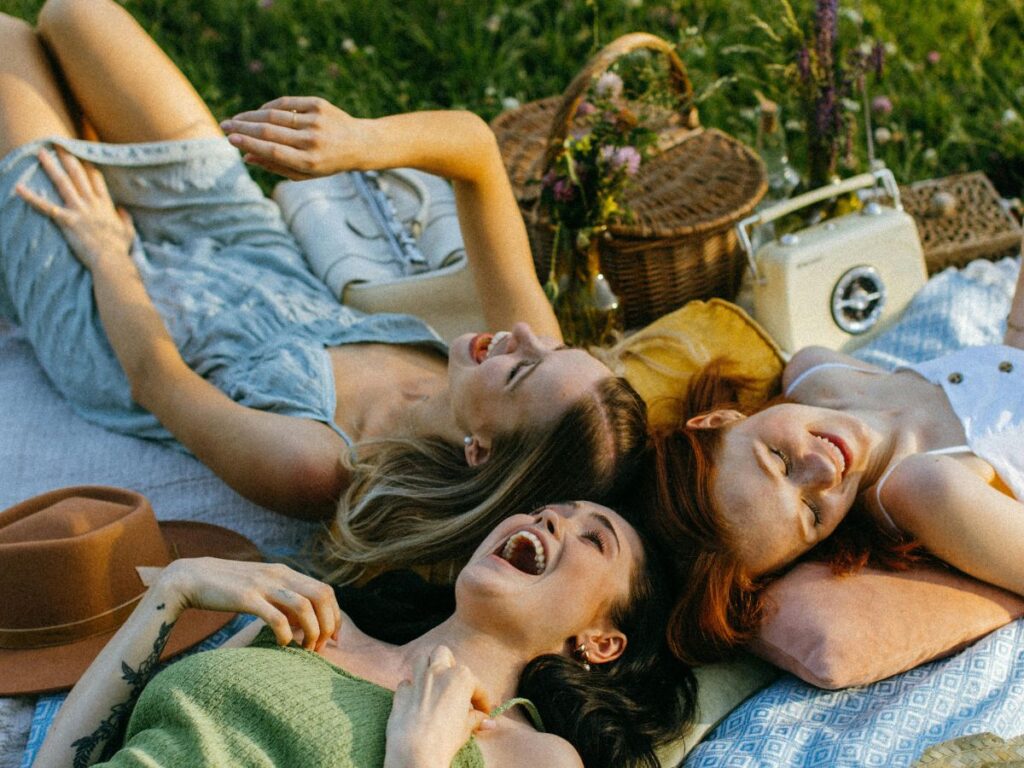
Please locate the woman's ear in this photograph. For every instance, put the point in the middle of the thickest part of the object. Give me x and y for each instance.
(714, 419)
(602, 647)
(478, 450)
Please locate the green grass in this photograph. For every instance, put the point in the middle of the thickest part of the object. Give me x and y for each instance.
(372, 57)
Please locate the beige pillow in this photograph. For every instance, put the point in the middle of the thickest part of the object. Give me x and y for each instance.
(838, 631)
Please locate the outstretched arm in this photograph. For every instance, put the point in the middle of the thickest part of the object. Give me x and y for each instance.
(281, 462)
(98, 707)
(947, 504)
(303, 137)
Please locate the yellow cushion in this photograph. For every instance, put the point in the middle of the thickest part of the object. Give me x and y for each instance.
(660, 360)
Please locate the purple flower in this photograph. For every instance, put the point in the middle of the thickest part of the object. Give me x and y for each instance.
(934, 57)
(803, 65)
(256, 66)
(826, 17)
(265, 4)
(881, 105)
(609, 86)
(549, 179)
(564, 191)
(585, 108)
(622, 157)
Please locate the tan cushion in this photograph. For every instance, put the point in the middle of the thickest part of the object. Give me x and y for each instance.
(835, 632)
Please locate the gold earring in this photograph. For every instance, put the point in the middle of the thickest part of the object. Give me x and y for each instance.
(580, 654)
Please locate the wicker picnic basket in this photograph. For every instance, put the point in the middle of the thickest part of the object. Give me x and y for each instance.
(680, 244)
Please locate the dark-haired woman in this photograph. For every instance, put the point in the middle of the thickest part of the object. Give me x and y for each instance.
(206, 328)
(560, 611)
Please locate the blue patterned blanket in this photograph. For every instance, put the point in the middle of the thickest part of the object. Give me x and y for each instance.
(890, 723)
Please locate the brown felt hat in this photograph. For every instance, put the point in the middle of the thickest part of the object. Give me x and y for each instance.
(68, 579)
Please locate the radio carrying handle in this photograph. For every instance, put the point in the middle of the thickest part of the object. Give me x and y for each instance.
(786, 207)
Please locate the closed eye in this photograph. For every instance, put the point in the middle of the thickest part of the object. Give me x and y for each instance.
(787, 464)
(814, 510)
(515, 369)
(597, 539)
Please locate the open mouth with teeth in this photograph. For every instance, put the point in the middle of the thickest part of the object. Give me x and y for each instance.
(481, 345)
(524, 551)
(838, 449)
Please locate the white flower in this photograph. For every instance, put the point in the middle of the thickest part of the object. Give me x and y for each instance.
(1010, 116)
(883, 135)
(348, 45)
(609, 85)
(510, 102)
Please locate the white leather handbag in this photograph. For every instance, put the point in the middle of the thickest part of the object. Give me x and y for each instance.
(386, 241)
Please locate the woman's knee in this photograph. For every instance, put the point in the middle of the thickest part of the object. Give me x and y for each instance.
(61, 20)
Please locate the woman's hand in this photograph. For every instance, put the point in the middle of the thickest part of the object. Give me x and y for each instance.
(300, 137)
(435, 713)
(94, 227)
(282, 597)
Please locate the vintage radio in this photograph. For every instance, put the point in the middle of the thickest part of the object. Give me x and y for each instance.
(841, 281)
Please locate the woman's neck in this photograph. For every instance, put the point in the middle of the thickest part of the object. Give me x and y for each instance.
(496, 662)
(428, 414)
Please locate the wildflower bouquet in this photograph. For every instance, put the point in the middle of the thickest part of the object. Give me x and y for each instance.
(582, 193)
(825, 81)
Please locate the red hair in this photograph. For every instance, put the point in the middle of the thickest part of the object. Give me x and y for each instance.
(719, 603)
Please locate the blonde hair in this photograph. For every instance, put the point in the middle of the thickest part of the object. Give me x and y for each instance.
(415, 501)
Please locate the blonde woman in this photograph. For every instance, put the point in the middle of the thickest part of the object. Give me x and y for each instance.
(172, 303)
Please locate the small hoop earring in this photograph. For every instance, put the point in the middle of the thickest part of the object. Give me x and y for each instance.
(468, 440)
(580, 654)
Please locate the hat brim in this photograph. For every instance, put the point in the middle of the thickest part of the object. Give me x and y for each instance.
(45, 670)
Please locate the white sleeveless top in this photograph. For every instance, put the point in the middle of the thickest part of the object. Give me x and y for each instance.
(985, 388)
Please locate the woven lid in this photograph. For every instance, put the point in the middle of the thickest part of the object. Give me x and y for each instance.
(699, 179)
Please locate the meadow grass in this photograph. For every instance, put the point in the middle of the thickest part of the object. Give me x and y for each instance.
(954, 71)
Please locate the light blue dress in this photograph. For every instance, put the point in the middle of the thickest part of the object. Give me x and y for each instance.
(221, 268)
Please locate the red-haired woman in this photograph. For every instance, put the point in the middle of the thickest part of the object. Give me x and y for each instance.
(931, 454)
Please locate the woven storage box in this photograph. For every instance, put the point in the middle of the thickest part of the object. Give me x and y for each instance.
(960, 218)
(681, 243)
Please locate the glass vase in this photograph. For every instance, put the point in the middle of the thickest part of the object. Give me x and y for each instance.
(586, 307)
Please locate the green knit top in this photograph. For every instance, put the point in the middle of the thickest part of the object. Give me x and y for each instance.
(262, 705)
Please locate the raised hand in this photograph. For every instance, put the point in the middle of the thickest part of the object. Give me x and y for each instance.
(282, 597)
(94, 227)
(300, 137)
(435, 713)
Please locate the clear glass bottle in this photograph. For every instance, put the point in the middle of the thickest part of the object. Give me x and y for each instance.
(771, 146)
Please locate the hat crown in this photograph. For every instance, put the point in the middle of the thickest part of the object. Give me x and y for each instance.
(68, 560)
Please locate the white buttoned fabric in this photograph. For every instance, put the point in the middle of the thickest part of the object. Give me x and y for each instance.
(985, 387)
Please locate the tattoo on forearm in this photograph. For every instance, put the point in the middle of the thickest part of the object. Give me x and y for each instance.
(110, 733)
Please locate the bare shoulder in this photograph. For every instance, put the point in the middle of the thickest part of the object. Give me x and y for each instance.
(515, 747)
(922, 483)
(809, 357)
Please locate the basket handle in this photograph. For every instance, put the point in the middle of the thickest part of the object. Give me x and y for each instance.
(598, 65)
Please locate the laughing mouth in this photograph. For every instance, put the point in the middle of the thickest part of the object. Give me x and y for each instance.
(525, 551)
(483, 344)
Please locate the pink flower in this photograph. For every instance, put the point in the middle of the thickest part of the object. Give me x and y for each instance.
(585, 108)
(622, 157)
(549, 179)
(255, 66)
(564, 191)
(881, 105)
(609, 86)
(934, 57)
(265, 4)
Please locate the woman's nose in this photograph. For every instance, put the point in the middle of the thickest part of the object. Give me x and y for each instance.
(819, 471)
(552, 520)
(523, 336)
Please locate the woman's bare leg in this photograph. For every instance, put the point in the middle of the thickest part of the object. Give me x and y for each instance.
(127, 87)
(31, 103)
